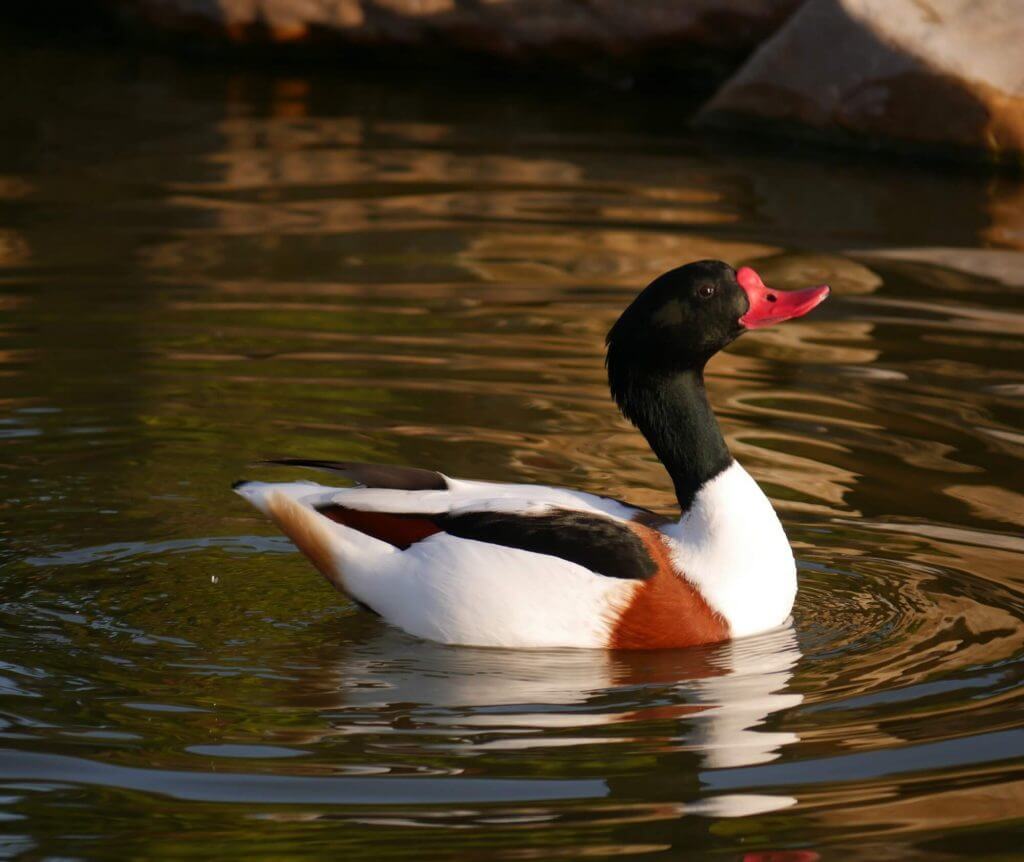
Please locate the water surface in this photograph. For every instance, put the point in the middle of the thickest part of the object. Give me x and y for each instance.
(201, 267)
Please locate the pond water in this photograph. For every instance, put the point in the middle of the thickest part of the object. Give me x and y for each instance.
(201, 266)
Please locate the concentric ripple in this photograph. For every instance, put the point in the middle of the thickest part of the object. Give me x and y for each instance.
(235, 266)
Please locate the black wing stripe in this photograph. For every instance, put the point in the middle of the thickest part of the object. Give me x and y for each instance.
(600, 544)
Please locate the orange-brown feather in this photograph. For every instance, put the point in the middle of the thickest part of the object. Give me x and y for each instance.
(308, 530)
(398, 530)
(666, 610)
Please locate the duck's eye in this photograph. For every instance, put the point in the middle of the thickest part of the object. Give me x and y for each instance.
(706, 291)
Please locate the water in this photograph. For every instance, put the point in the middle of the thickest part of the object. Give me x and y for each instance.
(200, 267)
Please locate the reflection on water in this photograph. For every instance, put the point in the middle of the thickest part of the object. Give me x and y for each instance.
(724, 694)
(199, 268)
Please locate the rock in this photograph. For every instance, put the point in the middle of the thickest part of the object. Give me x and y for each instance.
(945, 73)
(505, 28)
(1005, 266)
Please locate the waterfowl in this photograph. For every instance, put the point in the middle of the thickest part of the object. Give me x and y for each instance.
(514, 565)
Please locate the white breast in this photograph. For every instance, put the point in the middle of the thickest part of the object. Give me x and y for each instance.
(732, 546)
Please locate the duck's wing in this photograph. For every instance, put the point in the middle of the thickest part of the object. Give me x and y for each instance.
(464, 491)
(373, 475)
(601, 544)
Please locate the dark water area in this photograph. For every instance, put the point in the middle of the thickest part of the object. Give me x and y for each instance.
(201, 267)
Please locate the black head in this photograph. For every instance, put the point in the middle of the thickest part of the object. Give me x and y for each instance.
(680, 320)
(658, 348)
(684, 317)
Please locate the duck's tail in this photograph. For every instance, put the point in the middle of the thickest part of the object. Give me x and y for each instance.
(330, 546)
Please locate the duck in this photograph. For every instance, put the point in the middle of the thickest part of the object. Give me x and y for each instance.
(523, 566)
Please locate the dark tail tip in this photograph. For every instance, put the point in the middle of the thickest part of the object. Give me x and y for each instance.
(236, 485)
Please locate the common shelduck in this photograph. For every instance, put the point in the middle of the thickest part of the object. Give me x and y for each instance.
(512, 565)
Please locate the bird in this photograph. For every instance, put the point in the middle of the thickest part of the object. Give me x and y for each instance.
(522, 566)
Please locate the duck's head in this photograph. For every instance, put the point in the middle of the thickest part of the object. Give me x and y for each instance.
(684, 317)
(658, 348)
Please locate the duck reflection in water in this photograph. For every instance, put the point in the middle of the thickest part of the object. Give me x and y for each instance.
(706, 708)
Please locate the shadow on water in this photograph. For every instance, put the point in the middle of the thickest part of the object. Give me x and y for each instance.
(201, 267)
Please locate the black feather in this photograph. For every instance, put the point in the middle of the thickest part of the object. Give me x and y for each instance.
(603, 545)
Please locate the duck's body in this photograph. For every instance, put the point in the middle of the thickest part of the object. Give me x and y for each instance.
(489, 564)
(533, 566)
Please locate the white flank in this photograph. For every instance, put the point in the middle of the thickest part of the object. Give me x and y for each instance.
(461, 591)
(731, 545)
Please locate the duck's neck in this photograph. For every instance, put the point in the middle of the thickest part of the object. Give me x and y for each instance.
(673, 413)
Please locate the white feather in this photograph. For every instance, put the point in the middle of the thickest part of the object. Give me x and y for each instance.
(462, 591)
(731, 545)
(466, 496)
